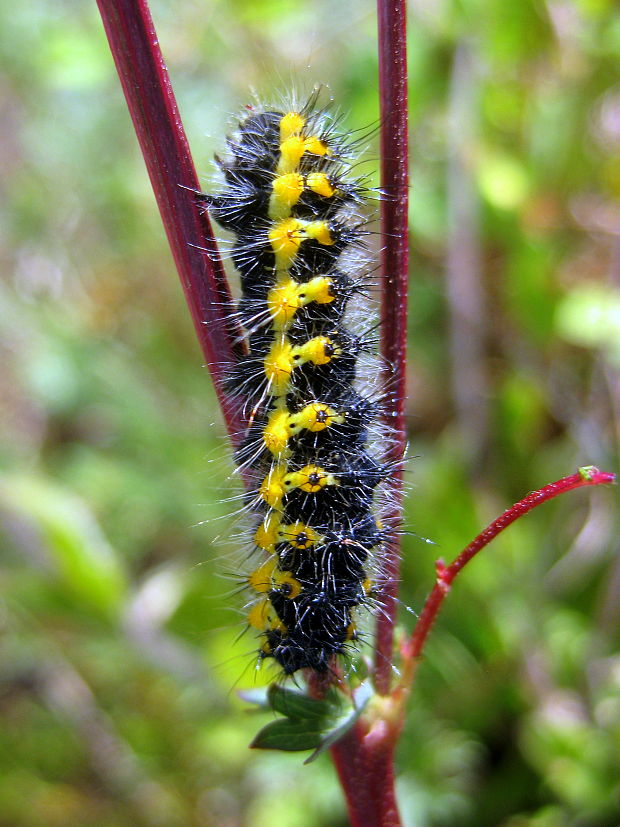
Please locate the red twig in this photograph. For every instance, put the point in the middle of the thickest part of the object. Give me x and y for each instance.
(144, 77)
(365, 767)
(392, 18)
(364, 758)
(412, 648)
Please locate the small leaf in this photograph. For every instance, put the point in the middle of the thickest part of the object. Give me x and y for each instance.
(297, 705)
(310, 723)
(345, 722)
(289, 735)
(587, 472)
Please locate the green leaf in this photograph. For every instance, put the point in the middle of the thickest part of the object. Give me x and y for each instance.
(297, 705)
(310, 723)
(84, 564)
(345, 722)
(289, 735)
(589, 315)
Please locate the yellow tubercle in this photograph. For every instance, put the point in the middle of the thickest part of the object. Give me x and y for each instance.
(281, 425)
(288, 187)
(268, 533)
(293, 144)
(351, 633)
(291, 152)
(316, 146)
(314, 417)
(283, 358)
(320, 351)
(287, 584)
(286, 190)
(319, 183)
(274, 487)
(278, 365)
(278, 482)
(318, 289)
(320, 231)
(291, 124)
(285, 239)
(299, 535)
(283, 302)
(287, 235)
(263, 616)
(261, 579)
(269, 577)
(288, 296)
(310, 478)
(277, 431)
(272, 531)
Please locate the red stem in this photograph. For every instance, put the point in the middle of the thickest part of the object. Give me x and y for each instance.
(152, 105)
(365, 768)
(392, 18)
(412, 648)
(364, 759)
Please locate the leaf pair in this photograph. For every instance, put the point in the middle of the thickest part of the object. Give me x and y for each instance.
(307, 723)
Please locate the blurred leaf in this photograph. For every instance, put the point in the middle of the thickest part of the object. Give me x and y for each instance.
(83, 561)
(590, 316)
(503, 181)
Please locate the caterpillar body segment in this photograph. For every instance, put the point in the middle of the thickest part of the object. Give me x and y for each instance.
(290, 197)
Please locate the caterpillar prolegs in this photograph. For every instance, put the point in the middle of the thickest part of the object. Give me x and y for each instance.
(291, 200)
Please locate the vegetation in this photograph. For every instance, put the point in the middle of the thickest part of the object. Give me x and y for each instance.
(119, 644)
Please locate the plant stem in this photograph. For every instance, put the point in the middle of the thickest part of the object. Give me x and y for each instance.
(153, 108)
(392, 21)
(412, 647)
(364, 759)
(365, 767)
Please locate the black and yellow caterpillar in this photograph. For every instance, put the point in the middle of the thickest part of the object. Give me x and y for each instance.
(291, 201)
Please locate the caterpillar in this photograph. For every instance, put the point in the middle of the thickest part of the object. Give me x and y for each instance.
(292, 202)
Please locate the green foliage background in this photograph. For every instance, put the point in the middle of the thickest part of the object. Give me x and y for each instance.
(118, 634)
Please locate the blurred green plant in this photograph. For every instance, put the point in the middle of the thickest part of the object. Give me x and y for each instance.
(517, 716)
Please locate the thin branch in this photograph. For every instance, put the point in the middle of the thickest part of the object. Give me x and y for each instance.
(152, 105)
(392, 17)
(412, 647)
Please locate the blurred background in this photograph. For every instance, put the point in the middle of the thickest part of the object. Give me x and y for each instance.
(119, 646)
